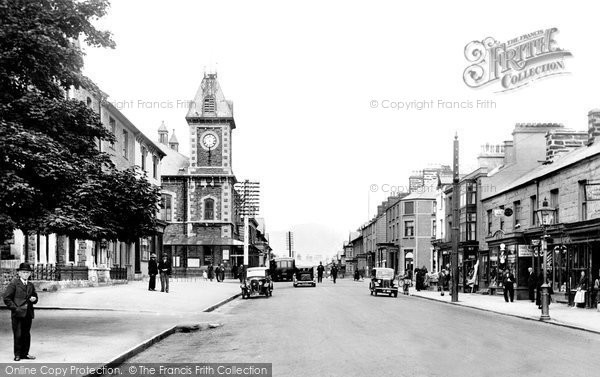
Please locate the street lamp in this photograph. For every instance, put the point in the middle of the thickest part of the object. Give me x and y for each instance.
(545, 216)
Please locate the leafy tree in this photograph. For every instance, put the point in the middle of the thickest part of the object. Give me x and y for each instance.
(53, 178)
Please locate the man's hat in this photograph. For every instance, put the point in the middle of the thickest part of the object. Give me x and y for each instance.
(25, 267)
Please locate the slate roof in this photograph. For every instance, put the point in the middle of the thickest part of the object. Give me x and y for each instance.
(512, 177)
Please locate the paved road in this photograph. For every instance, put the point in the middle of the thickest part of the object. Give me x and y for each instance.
(343, 331)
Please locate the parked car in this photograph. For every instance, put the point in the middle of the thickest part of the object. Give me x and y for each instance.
(305, 276)
(257, 282)
(382, 281)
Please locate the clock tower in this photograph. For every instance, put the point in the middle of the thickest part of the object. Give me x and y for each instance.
(210, 118)
(199, 190)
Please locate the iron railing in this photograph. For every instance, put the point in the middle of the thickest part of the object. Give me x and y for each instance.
(118, 273)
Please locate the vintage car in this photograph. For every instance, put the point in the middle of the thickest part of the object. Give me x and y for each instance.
(257, 282)
(305, 276)
(382, 281)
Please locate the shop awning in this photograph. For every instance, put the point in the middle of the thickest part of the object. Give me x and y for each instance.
(200, 241)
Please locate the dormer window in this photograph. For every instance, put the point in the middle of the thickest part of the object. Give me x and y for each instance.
(208, 107)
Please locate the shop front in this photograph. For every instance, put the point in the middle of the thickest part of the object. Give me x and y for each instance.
(190, 256)
(581, 252)
(572, 254)
(467, 259)
(511, 253)
(442, 252)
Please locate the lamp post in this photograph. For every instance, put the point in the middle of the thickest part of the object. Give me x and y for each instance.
(545, 217)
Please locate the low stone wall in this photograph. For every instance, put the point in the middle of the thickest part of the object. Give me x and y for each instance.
(93, 278)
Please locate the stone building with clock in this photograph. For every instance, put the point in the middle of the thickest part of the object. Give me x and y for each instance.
(198, 196)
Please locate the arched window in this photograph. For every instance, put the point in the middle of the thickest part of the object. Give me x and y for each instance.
(209, 209)
(209, 105)
(166, 207)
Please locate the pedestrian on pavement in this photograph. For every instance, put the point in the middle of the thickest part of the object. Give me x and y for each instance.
(419, 279)
(320, 270)
(406, 281)
(218, 273)
(531, 284)
(242, 273)
(356, 275)
(508, 282)
(19, 296)
(152, 272)
(597, 290)
(211, 272)
(222, 272)
(581, 289)
(441, 281)
(164, 267)
(334, 272)
(424, 279)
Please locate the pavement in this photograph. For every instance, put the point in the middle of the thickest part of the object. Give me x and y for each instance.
(102, 324)
(560, 314)
(108, 324)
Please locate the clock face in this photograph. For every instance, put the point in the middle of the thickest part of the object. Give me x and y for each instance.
(209, 140)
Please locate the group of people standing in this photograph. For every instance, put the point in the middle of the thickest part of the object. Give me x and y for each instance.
(218, 272)
(535, 282)
(163, 267)
(420, 278)
(333, 272)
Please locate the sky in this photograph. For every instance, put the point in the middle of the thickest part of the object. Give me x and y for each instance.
(313, 84)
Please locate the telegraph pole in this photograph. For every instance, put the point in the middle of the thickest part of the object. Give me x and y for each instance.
(290, 244)
(455, 223)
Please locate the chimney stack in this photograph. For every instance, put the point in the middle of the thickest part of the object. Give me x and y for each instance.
(593, 125)
(559, 142)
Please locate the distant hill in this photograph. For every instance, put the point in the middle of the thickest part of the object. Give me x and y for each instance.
(309, 239)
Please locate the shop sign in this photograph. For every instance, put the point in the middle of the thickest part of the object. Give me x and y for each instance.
(525, 251)
(225, 254)
(193, 262)
(82, 245)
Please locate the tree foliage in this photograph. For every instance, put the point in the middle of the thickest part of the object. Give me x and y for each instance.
(53, 178)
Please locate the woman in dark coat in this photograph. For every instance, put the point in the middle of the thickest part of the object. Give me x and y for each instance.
(211, 272)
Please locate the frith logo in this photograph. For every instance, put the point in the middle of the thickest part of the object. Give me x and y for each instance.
(515, 63)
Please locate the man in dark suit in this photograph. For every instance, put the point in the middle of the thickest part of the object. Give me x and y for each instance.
(164, 267)
(531, 284)
(152, 272)
(508, 281)
(334, 272)
(320, 270)
(19, 296)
